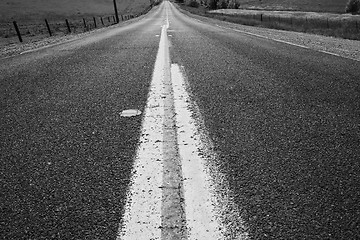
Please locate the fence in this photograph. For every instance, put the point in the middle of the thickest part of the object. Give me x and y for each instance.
(347, 28)
(344, 27)
(60, 27)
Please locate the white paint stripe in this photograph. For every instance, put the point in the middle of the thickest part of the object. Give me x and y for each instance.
(289, 43)
(334, 54)
(264, 37)
(199, 209)
(210, 213)
(142, 218)
(145, 201)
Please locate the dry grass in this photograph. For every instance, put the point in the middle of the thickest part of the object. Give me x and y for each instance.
(30, 15)
(333, 6)
(329, 24)
(33, 10)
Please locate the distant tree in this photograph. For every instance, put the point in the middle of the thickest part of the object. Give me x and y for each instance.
(233, 4)
(194, 3)
(223, 4)
(212, 4)
(353, 6)
(180, 1)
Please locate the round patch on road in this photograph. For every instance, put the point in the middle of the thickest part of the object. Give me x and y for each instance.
(130, 113)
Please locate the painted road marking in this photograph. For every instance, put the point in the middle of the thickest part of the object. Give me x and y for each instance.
(143, 211)
(286, 42)
(142, 218)
(199, 208)
(175, 192)
(210, 212)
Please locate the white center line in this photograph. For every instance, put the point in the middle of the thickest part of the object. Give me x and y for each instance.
(175, 192)
(142, 218)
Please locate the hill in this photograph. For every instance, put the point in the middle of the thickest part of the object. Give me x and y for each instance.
(38, 9)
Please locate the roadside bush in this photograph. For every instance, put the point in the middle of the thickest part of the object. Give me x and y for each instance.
(194, 3)
(353, 6)
(223, 4)
(233, 4)
(212, 4)
(157, 2)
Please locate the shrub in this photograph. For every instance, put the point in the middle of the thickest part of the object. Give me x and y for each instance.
(233, 4)
(353, 6)
(157, 2)
(223, 4)
(212, 4)
(194, 3)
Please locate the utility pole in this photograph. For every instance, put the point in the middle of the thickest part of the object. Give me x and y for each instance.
(116, 12)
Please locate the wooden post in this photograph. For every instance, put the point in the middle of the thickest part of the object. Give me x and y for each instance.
(114, 18)
(68, 25)
(122, 18)
(84, 23)
(17, 31)
(48, 27)
(102, 21)
(261, 17)
(108, 18)
(94, 22)
(116, 12)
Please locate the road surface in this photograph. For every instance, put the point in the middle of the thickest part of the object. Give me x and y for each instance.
(239, 137)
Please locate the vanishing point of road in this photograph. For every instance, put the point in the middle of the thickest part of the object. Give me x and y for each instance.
(170, 127)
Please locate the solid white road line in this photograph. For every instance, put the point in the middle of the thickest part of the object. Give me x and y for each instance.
(142, 218)
(210, 212)
(199, 208)
(176, 193)
(286, 42)
(264, 37)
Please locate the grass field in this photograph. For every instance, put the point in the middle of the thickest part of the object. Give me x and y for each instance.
(30, 16)
(34, 10)
(324, 23)
(333, 6)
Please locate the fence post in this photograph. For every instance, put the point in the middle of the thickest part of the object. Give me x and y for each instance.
(94, 22)
(68, 25)
(116, 12)
(17, 31)
(108, 18)
(261, 17)
(102, 21)
(122, 18)
(114, 18)
(327, 23)
(357, 25)
(84, 24)
(48, 27)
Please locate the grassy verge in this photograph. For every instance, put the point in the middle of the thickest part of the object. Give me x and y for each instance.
(339, 27)
(82, 16)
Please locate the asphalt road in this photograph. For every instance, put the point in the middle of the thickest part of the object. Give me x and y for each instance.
(284, 120)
